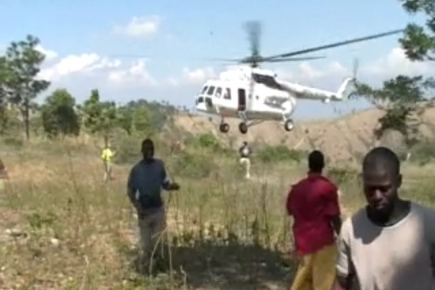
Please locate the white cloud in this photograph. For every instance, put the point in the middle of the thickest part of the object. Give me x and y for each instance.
(139, 26)
(82, 72)
(191, 76)
(396, 63)
(92, 66)
(49, 54)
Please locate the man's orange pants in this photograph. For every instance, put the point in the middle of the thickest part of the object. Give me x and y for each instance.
(316, 271)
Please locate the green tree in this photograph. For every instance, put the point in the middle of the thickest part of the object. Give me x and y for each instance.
(419, 41)
(141, 119)
(99, 117)
(4, 101)
(58, 114)
(125, 119)
(400, 98)
(23, 63)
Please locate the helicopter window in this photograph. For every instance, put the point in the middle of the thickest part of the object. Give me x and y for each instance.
(210, 91)
(204, 90)
(218, 92)
(266, 80)
(227, 94)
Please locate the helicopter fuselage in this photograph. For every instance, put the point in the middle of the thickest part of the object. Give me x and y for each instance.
(248, 93)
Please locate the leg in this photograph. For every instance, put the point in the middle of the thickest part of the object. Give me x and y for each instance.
(324, 267)
(106, 170)
(144, 241)
(109, 170)
(303, 277)
(248, 168)
(158, 235)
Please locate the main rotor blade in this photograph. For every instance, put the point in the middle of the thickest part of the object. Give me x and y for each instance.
(293, 59)
(253, 28)
(341, 43)
(244, 60)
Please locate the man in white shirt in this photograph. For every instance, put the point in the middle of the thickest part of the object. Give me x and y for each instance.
(245, 153)
(388, 244)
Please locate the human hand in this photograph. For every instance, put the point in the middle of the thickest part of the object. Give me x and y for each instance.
(174, 186)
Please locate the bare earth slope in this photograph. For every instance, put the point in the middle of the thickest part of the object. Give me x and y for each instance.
(341, 138)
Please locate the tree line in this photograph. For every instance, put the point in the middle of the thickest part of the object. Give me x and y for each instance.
(60, 115)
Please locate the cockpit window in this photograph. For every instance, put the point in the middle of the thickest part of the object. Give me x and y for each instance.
(218, 92)
(204, 90)
(266, 80)
(210, 91)
(227, 94)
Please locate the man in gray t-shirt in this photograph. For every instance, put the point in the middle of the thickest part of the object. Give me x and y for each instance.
(144, 186)
(387, 245)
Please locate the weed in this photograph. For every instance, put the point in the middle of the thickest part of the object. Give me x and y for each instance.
(62, 227)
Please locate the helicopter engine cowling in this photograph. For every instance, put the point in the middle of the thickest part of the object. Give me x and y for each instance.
(289, 106)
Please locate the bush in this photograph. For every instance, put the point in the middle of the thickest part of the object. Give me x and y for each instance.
(210, 142)
(342, 175)
(192, 165)
(127, 150)
(269, 154)
(422, 153)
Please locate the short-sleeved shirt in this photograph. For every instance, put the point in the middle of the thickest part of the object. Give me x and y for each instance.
(245, 151)
(146, 180)
(106, 154)
(392, 257)
(313, 202)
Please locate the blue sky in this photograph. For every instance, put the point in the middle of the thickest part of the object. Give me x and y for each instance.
(187, 34)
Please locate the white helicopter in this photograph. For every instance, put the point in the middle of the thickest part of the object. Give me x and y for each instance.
(255, 95)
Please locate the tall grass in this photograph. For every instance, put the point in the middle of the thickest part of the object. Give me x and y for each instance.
(62, 227)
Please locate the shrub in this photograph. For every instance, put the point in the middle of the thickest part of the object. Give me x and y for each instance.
(342, 175)
(127, 150)
(191, 165)
(422, 153)
(269, 154)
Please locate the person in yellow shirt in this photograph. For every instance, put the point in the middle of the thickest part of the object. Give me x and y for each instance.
(107, 155)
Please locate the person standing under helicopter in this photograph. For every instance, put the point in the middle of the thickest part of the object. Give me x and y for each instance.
(245, 153)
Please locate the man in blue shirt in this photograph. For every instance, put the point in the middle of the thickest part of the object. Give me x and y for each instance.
(145, 182)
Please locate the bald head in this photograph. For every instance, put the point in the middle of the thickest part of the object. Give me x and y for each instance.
(381, 180)
(382, 159)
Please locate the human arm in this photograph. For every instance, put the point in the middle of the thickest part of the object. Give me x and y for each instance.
(131, 189)
(167, 184)
(345, 271)
(332, 207)
(430, 233)
(289, 202)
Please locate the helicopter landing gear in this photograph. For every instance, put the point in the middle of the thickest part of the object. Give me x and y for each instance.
(289, 125)
(243, 128)
(224, 127)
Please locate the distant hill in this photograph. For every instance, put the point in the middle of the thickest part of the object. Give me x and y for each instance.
(341, 138)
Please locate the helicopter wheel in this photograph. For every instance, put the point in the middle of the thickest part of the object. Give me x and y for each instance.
(289, 125)
(243, 128)
(224, 127)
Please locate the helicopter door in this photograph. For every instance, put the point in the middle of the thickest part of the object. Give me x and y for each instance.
(241, 93)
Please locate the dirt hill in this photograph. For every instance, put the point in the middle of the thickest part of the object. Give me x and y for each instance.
(341, 138)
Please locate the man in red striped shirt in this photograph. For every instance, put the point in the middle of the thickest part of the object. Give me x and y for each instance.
(313, 203)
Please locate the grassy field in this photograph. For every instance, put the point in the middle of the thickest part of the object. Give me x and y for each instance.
(62, 227)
